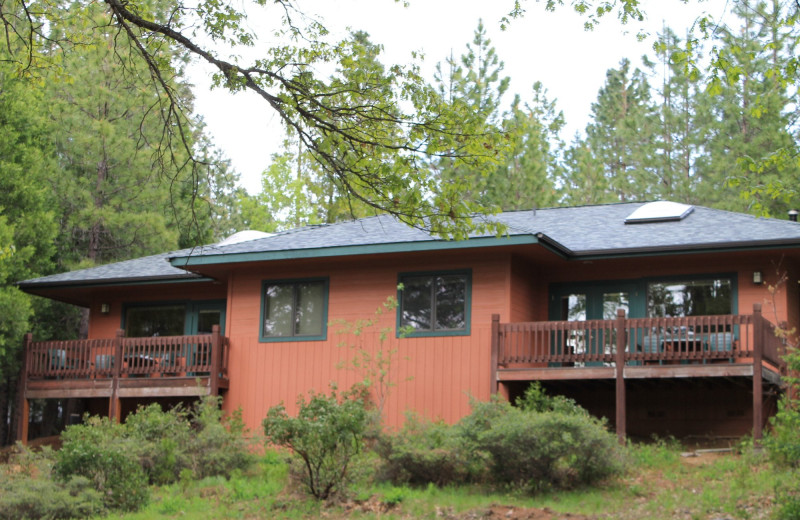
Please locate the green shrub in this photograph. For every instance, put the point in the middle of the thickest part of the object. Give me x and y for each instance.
(787, 496)
(218, 446)
(100, 451)
(544, 442)
(782, 440)
(326, 435)
(480, 420)
(163, 439)
(41, 497)
(424, 452)
(27, 489)
(539, 451)
(535, 399)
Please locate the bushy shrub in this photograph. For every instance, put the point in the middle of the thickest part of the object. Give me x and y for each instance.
(100, 451)
(326, 435)
(535, 399)
(218, 445)
(544, 442)
(162, 438)
(424, 452)
(538, 451)
(787, 500)
(480, 420)
(41, 497)
(27, 489)
(782, 440)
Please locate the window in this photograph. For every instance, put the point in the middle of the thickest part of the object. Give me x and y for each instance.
(294, 310)
(690, 298)
(156, 320)
(173, 318)
(435, 304)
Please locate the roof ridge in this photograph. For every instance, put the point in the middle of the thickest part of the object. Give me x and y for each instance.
(603, 204)
(755, 217)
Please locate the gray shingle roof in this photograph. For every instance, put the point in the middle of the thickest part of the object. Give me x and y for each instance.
(601, 230)
(576, 232)
(148, 268)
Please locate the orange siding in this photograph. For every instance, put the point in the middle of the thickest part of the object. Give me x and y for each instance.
(433, 376)
(524, 291)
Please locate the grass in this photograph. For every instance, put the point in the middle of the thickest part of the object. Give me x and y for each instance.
(659, 484)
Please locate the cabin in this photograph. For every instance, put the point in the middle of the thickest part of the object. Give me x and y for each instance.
(658, 316)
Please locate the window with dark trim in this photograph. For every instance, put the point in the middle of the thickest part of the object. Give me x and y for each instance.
(435, 303)
(696, 297)
(294, 310)
(155, 320)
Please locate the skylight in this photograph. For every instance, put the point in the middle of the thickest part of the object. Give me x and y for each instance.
(243, 236)
(660, 211)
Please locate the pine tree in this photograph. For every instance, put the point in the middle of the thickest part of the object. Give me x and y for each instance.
(474, 87)
(525, 177)
(679, 142)
(583, 180)
(621, 134)
(747, 118)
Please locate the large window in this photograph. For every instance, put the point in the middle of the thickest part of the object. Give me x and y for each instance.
(690, 298)
(156, 320)
(436, 303)
(173, 318)
(700, 295)
(294, 310)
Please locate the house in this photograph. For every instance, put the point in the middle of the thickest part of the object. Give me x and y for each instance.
(657, 316)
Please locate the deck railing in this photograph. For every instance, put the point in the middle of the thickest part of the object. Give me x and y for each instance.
(158, 356)
(646, 341)
(627, 342)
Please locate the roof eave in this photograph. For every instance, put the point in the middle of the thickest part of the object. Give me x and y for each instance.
(110, 282)
(326, 252)
(727, 247)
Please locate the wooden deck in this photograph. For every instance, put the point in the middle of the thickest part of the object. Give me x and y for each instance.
(152, 367)
(745, 346)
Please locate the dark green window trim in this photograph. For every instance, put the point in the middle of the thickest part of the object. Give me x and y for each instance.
(465, 331)
(294, 282)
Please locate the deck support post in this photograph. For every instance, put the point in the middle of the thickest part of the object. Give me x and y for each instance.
(758, 390)
(216, 360)
(620, 375)
(114, 408)
(494, 355)
(23, 412)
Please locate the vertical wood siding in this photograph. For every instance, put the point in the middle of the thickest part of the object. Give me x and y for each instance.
(433, 376)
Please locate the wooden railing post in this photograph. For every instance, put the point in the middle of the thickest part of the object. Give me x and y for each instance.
(114, 409)
(622, 341)
(758, 391)
(216, 360)
(494, 356)
(23, 406)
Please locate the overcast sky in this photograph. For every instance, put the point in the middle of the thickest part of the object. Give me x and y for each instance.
(549, 47)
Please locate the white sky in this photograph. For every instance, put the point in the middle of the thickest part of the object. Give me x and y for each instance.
(549, 47)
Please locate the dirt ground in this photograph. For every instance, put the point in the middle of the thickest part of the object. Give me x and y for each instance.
(493, 512)
(497, 512)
